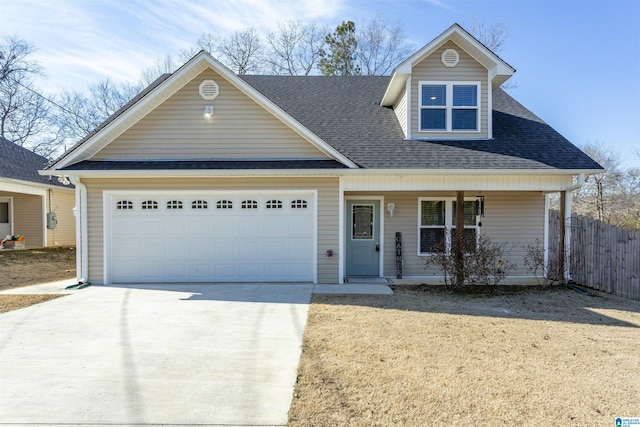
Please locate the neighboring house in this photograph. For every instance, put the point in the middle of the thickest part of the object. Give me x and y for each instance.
(208, 176)
(28, 201)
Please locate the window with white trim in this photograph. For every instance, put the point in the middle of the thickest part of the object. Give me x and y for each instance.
(449, 107)
(437, 224)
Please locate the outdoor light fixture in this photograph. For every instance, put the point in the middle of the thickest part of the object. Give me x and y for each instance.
(208, 112)
(391, 207)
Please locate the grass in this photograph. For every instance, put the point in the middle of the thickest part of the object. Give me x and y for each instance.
(24, 267)
(426, 357)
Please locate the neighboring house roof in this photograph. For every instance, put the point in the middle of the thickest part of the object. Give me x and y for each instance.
(345, 112)
(18, 163)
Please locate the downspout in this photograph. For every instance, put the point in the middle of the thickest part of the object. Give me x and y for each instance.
(567, 235)
(82, 254)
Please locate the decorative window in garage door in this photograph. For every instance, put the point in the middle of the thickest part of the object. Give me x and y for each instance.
(224, 204)
(274, 204)
(199, 204)
(174, 204)
(249, 204)
(124, 204)
(149, 204)
(299, 204)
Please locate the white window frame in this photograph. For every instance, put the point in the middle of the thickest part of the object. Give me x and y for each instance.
(449, 107)
(448, 222)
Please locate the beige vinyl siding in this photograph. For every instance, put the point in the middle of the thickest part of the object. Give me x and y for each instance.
(240, 129)
(432, 69)
(513, 217)
(27, 217)
(517, 218)
(62, 203)
(327, 211)
(400, 108)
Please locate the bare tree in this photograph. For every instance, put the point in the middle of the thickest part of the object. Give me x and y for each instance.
(82, 112)
(23, 111)
(241, 51)
(492, 36)
(295, 48)
(381, 46)
(162, 65)
(597, 195)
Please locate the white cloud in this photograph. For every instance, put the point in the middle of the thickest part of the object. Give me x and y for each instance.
(81, 41)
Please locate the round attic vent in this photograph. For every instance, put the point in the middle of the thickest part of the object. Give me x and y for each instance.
(450, 58)
(209, 89)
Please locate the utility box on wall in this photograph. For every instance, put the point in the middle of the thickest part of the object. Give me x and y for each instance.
(52, 220)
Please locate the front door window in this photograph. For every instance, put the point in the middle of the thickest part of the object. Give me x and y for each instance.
(362, 222)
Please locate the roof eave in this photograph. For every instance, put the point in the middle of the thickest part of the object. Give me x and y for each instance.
(186, 173)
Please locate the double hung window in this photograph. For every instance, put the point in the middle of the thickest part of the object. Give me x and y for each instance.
(437, 225)
(449, 106)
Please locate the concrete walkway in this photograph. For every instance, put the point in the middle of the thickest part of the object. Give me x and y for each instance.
(153, 355)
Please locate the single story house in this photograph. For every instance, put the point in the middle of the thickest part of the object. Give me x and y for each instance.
(40, 208)
(209, 176)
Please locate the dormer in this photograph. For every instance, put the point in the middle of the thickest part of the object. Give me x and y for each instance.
(443, 91)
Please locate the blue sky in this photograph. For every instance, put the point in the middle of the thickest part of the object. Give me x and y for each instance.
(577, 62)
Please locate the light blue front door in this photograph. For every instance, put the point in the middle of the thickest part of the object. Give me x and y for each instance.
(363, 238)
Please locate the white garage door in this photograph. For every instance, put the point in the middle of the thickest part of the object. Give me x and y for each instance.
(210, 237)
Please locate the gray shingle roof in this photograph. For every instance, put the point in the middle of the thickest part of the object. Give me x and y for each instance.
(21, 164)
(345, 112)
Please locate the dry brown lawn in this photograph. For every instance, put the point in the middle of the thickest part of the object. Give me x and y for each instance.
(422, 357)
(23, 267)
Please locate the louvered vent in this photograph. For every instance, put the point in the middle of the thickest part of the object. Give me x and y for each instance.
(209, 89)
(450, 58)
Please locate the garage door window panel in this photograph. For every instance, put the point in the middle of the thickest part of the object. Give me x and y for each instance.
(224, 204)
(124, 205)
(149, 205)
(299, 204)
(199, 204)
(274, 204)
(249, 204)
(174, 205)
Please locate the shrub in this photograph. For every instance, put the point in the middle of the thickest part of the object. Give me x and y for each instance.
(534, 261)
(483, 263)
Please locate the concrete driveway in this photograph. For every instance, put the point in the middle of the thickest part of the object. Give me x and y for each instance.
(154, 355)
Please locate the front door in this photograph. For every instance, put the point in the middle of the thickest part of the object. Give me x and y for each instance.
(363, 238)
(5, 218)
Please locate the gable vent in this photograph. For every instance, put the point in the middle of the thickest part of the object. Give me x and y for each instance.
(209, 89)
(450, 58)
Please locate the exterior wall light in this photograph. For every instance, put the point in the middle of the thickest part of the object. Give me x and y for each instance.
(208, 112)
(391, 207)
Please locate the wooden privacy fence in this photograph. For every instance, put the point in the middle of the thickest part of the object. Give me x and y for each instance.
(603, 256)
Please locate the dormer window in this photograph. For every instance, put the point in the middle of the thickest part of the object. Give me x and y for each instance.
(449, 107)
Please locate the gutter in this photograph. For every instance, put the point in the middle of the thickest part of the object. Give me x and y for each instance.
(181, 173)
(82, 254)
